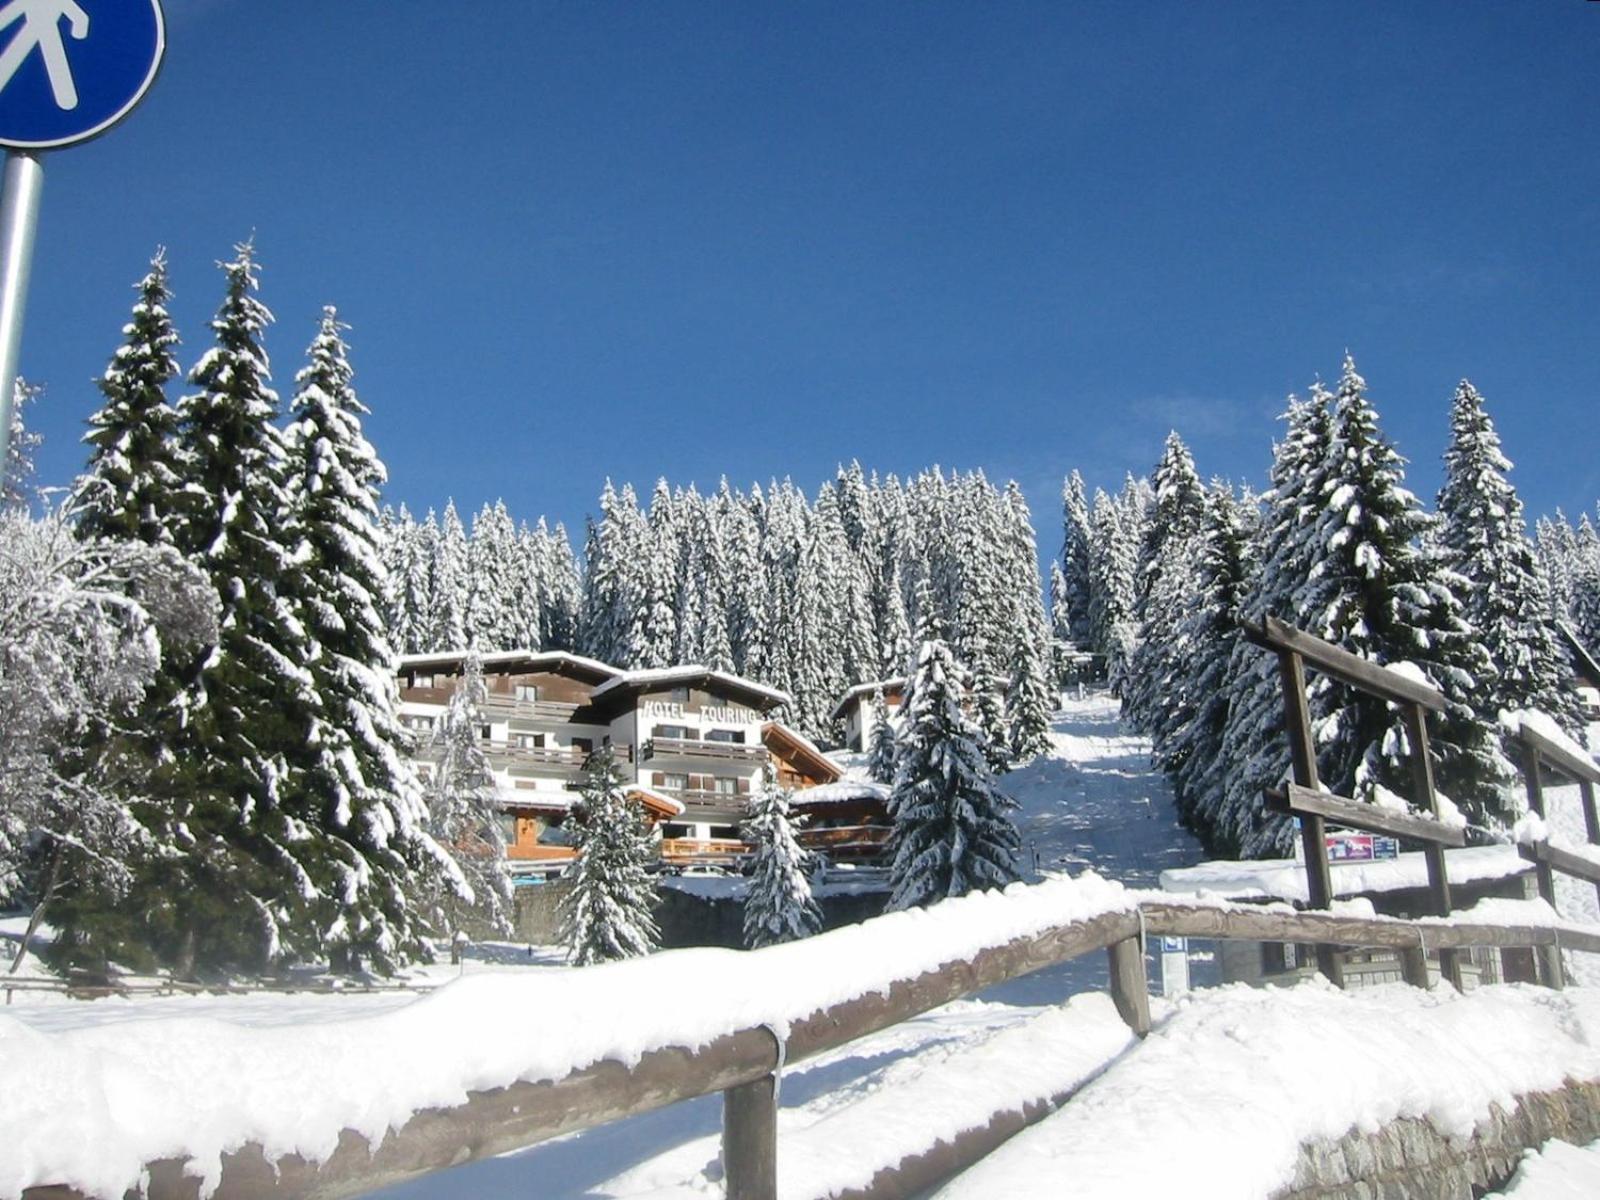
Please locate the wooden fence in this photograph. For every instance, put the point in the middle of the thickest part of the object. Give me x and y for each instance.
(744, 1065)
(1314, 807)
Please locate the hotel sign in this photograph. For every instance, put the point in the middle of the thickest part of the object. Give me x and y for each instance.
(720, 714)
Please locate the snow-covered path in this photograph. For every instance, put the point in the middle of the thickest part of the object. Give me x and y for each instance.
(1095, 802)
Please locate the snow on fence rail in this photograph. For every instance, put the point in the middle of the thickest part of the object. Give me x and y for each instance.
(205, 1108)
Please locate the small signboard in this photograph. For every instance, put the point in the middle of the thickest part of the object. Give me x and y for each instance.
(1346, 847)
(1174, 965)
(71, 69)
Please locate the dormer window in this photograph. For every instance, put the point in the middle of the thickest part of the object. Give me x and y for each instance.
(525, 691)
(679, 695)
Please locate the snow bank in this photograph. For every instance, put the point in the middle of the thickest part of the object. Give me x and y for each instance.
(103, 1100)
(1556, 1171)
(1220, 1096)
(1030, 1062)
(1285, 879)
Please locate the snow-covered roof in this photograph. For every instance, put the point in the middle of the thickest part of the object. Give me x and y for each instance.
(865, 689)
(1285, 879)
(670, 804)
(533, 658)
(660, 676)
(844, 791)
(563, 801)
(1582, 659)
(804, 744)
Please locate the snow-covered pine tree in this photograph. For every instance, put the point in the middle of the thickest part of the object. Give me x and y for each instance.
(1030, 697)
(1152, 696)
(1484, 539)
(372, 808)
(748, 635)
(884, 745)
(464, 817)
(416, 588)
(1255, 752)
(777, 906)
(492, 621)
(1207, 638)
(17, 489)
(232, 787)
(559, 622)
(952, 827)
(1377, 593)
(1077, 576)
(989, 713)
(607, 911)
(450, 623)
(128, 489)
(1112, 546)
(658, 635)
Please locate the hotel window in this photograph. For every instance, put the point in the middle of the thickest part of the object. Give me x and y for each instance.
(724, 785)
(681, 732)
(422, 681)
(678, 695)
(508, 828)
(675, 782)
(485, 732)
(525, 691)
(733, 737)
(673, 829)
(725, 832)
(528, 741)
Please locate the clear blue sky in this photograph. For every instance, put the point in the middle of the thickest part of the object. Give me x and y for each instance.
(595, 239)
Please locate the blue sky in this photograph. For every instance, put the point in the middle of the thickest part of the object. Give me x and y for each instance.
(589, 239)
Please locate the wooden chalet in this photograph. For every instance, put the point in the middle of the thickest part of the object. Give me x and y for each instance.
(693, 743)
(854, 712)
(846, 820)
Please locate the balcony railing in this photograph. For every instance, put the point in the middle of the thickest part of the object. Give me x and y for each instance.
(510, 708)
(691, 748)
(708, 800)
(564, 757)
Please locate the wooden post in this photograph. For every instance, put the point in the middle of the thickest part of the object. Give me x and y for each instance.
(1130, 988)
(1303, 756)
(1414, 966)
(750, 1140)
(1591, 819)
(1550, 972)
(1438, 879)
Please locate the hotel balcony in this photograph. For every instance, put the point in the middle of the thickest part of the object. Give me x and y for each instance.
(508, 708)
(734, 752)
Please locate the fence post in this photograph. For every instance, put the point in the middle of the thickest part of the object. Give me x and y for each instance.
(1591, 819)
(1130, 987)
(1303, 756)
(1550, 972)
(750, 1140)
(1438, 880)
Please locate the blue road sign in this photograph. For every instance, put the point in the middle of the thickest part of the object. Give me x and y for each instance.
(71, 69)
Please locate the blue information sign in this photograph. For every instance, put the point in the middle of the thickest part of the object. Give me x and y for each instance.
(71, 69)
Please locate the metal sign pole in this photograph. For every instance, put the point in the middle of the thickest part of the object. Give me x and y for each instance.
(19, 221)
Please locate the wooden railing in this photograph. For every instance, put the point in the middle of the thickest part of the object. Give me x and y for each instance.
(501, 754)
(1305, 799)
(509, 707)
(743, 1064)
(692, 748)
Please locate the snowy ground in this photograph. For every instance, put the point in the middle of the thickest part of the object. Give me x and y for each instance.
(1091, 804)
(1556, 1171)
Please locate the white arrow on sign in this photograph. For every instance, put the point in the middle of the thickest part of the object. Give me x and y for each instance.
(41, 27)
